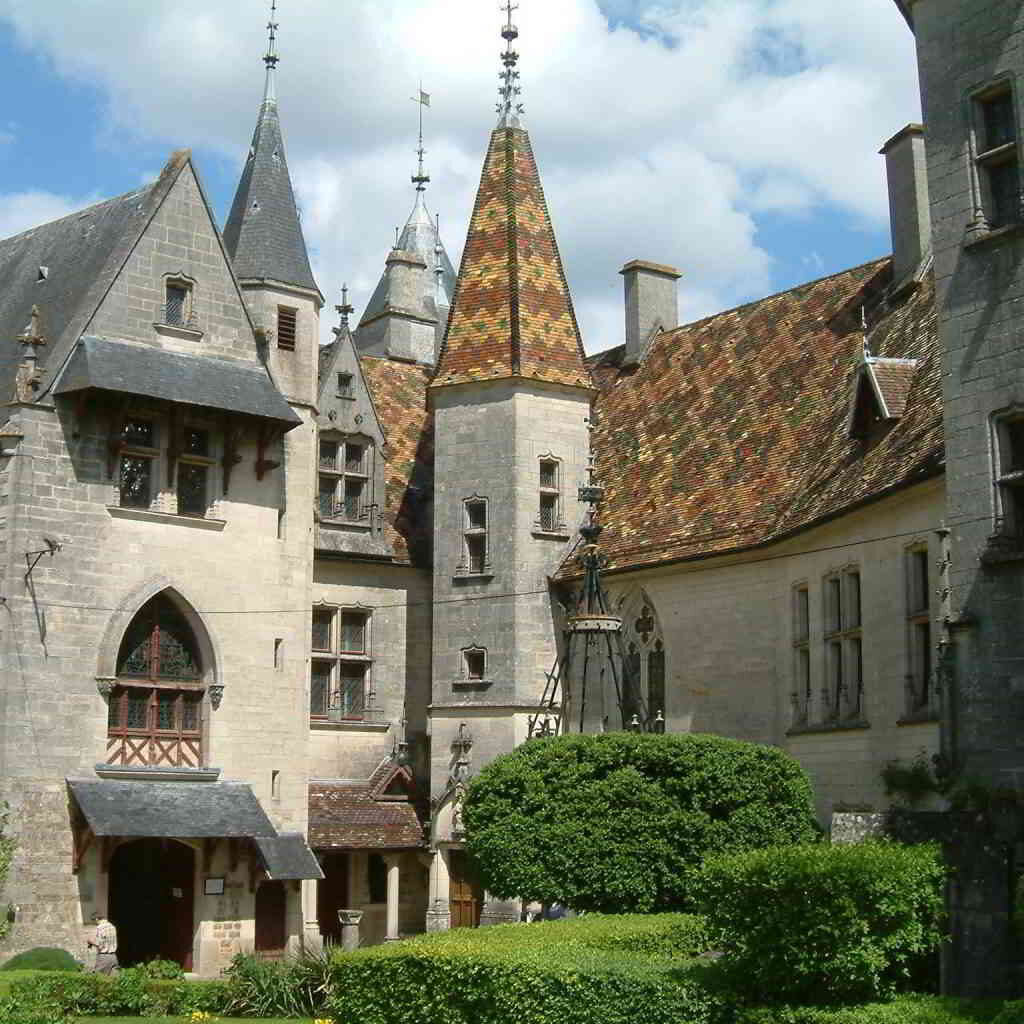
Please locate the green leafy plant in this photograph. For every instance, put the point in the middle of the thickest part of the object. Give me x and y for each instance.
(165, 969)
(910, 782)
(272, 988)
(42, 958)
(615, 970)
(825, 923)
(621, 822)
(7, 845)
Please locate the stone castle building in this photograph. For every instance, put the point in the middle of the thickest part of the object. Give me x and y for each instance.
(268, 604)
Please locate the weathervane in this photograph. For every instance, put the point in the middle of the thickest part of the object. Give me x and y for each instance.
(419, 179)
(509, 108)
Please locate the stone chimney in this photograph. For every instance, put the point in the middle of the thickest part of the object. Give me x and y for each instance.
(909, 212)
(651, 304)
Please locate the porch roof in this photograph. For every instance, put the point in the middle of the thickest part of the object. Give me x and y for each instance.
(182, 810)
(287, 857)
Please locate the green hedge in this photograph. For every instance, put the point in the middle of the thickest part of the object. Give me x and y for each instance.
(620, 822)
(42, 958)
(569, 972)
(825, 923)
(910, 1009)
(127, 993)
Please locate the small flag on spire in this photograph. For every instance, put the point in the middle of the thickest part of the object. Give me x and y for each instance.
(424, 98)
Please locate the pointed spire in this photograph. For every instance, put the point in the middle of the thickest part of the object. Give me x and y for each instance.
(270, 58)
(419, 179)
(509, 108)
(345, 309)
(512, 313)
(263, 235)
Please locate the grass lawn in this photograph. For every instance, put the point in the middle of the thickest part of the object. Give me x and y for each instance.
(178, 1020)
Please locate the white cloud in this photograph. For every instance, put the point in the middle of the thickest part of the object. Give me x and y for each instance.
(664, 150)
(20, 211)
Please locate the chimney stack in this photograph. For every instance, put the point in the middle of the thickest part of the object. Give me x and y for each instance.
(909, 212)
(651, 304)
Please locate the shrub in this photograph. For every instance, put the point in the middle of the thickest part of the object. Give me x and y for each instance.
(911, 1009)
(13, 1013)
(42, 958)
(621, 822)
(1011, 1013)
(824, 923)
(167, 970)
(272, 988)
(569, 971)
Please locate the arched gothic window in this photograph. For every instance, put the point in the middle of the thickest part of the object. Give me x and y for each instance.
(645, 654)
(155, 711)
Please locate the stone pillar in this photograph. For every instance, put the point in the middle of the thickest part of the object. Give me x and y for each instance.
(394, 873)
(349, 920)
(312, 940)
(439, 918)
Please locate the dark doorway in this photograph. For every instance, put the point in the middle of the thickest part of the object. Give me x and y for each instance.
(465, 894)
(271, 930)
(332, 894)
(151, 896)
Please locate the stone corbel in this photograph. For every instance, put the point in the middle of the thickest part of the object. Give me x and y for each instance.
(265, 437)
(105, 685)
(216, 692)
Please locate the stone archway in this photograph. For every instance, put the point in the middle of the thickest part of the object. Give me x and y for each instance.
(152, 890)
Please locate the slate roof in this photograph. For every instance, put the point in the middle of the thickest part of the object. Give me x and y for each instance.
(732, 432)
(512, 314)
(101, 364)
(263, 235)
(287, 857)
(349, 815)
(398, 391)
(419, 237)
(185, 810)
(81, 253)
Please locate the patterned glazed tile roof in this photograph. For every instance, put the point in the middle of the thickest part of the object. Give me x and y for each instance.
(512, 314)
(399, 392)
(353, 815)
(732, 432)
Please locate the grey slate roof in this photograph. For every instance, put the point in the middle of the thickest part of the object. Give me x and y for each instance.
(262, 235)
(420, 237)
(184, 810)
(287, 857)
(75, 251)
(104, 365)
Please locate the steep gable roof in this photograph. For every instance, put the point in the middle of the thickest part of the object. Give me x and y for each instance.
(733, 431)
(82, 254)
(263, 235)
(398, 391)
(512, 314)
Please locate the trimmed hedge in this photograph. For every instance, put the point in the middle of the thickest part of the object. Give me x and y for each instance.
(127, 993)
(570, 972)
(825, 923)
(42, 958)
(910, 1009)
(621, 822)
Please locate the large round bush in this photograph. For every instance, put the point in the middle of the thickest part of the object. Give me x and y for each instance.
(620, 822)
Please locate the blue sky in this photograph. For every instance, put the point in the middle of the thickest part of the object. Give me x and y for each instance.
(735, 139)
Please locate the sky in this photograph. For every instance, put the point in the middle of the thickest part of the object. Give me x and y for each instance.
(734, 139)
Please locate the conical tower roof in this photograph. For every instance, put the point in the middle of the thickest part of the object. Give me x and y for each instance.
(262, 235)
(512, 314)
(420, 238)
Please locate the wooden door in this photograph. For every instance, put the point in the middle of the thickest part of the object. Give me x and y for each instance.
(332, 894)
(271, 926)
(465, 894)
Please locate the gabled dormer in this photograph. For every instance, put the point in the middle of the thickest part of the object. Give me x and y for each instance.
(879, 393)
(351, 454)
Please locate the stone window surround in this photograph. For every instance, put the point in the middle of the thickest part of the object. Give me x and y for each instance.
(982, 160)
(475, 665)
(340, 474)
(287, 327)
(551, 494)
(184, 325)
(472, 534)
(334, 654)
(842, 650)
(921, 696)
(163, 495)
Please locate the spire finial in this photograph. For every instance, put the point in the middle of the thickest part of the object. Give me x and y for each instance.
(866, 347)
(270, 58)
(419, 179)
(509, 108)
(345, 309)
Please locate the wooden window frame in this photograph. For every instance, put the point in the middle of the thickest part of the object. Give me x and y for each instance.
(342, 477)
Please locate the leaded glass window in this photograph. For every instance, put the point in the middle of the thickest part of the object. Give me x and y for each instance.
(345, 475)
(322, 620)
(340, 666)
(136, 481)
(353, 633)
(159, 644)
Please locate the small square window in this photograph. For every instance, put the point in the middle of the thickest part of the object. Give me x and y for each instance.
(353, 632)
(996, 157)
(193, 497)
(999, 123)
(345, 386)
(287, 327)
(353, 498)
(136, 481)
(328, 454)
(177, 304)
(476, 549)
(322, 621)
(139, 433)
(476, 515)
(354, 454)
(197, 442)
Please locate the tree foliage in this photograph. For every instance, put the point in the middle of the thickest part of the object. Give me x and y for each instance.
(6, 855)
(620, 822)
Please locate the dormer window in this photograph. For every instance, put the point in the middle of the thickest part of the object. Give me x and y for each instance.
(880, 390)
(345, 479)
